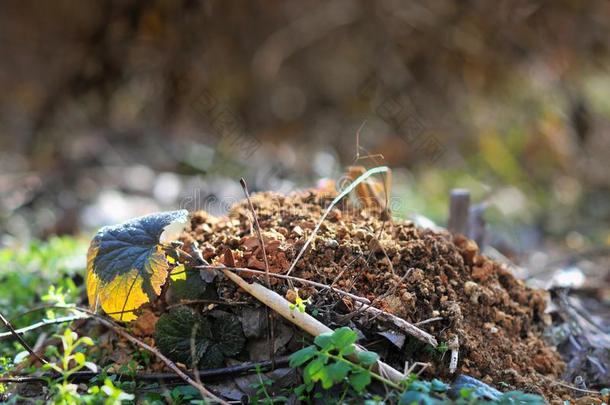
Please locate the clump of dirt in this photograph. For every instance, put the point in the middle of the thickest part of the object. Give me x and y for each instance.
(414, 273)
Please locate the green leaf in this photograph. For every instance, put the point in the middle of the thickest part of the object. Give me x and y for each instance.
(343, 336)
(228, 334)
(127, 265)
(214, 338)
(325, 378)
(339, 370)
(212, 358)
(174, 331)
(312, 370)
(367, 358)
(79, 358)
(324, 341)
(190, 287)
(421, 386)
(359, 380)
(347, 350)
(302, 356)
(466, 392)
(438, 386)
(414, 398)
(86, 340)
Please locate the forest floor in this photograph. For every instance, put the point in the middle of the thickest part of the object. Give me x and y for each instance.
(381, 277)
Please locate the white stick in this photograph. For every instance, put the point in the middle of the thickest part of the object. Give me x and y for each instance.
(303, 320)
(455, 350)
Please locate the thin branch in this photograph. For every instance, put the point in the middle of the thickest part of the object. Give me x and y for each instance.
(286, 277)
(207, 374)
(348, 189)
(402, 324)
(244, 186)
(574, 388)
(120, 331)
(202, 301)
(21, 340)
(193, 357)
(40, 324)
(430, 320)
(40, 308)
(270, 323)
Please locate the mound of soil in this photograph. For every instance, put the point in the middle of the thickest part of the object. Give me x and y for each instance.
(414, 273)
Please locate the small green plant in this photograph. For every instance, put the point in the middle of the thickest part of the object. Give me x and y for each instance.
(442, 347)
(325, 362)
(72, 360)
(299, 303)
(107, 394)
(262, 395)
(28, 272)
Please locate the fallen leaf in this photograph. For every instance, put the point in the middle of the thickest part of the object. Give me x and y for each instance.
(127, 265)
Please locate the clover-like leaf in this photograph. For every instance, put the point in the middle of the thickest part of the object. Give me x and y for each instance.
(213, 338)
(127, 265)
(359, 380)
(302, 356)
(367, 358)
(228, 334)
(343, 336)
(228, 340)
(324, 341)
(181, 329)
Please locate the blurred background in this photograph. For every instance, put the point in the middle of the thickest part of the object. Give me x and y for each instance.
(113, 109)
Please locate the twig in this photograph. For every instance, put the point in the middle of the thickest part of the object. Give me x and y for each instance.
(201, 301)
(436, 318)
(120, 331)
(244, 186)
(348, 189)
(40, 308)
(208, 374)
(40, 324)
(21, 340)
(283, 276)
(193, 357)
(402, 324)
(303, 320)
(409, 369)
(574, 388)
(270, 323)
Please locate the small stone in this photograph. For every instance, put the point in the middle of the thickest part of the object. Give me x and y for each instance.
(490, 327)
(331, 243)
(480, 273)
(470, 287)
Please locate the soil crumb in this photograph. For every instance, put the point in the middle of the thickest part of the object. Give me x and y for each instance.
(414, 273)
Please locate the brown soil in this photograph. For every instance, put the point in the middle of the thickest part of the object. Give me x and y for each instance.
(411, 272)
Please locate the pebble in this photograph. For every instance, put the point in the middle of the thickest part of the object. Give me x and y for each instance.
(331, 243)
